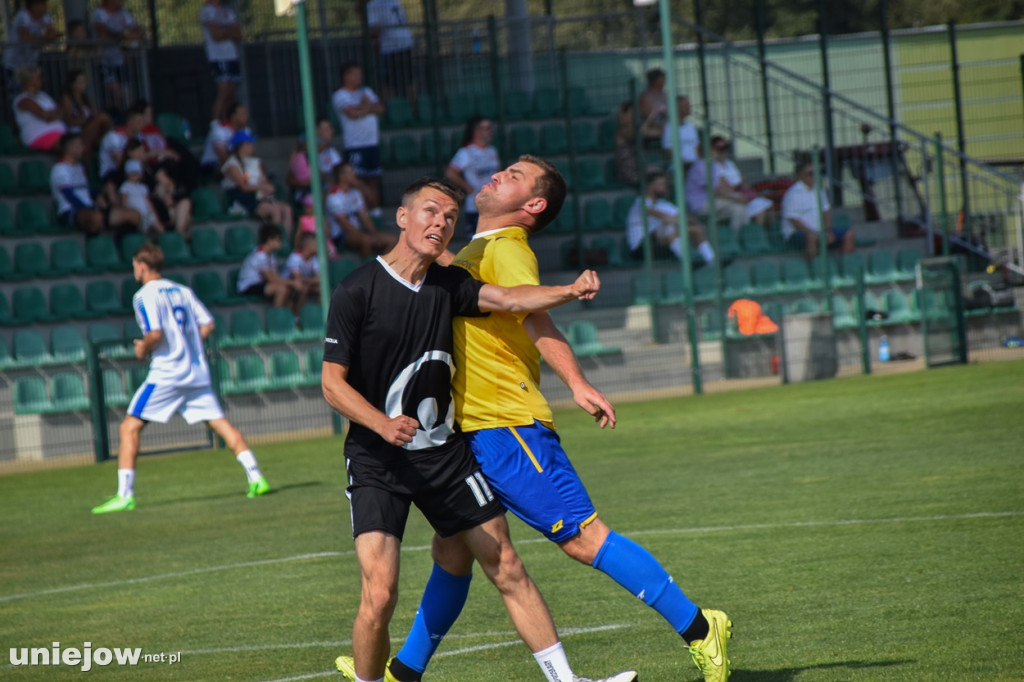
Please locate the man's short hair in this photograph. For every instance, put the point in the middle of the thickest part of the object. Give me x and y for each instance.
(348, 66)
(444, 186)
(269, 231)
(654, 74)
(551, 186)
(305, 238)
(653, 175)
(150, 255)
(66, 139)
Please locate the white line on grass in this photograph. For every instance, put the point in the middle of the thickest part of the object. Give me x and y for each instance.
(422, 548)
(454, 652)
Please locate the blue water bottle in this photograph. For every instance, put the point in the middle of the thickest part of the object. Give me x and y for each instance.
(883, 349)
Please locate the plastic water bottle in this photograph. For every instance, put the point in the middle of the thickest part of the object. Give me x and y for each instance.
(883, 349)
(477, 45)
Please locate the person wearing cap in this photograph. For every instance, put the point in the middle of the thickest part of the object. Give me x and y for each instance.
(246, 187)
(135, 194)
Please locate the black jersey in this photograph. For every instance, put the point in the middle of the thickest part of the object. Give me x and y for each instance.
(396, 340)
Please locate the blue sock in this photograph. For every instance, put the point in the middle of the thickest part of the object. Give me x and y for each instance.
(636, 569)
(441, 604)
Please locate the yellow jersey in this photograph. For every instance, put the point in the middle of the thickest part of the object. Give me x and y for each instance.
(497, 375)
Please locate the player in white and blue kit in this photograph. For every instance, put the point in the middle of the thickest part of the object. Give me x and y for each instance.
(174, 324)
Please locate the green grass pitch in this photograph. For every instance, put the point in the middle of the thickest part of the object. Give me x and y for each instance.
(869, 528)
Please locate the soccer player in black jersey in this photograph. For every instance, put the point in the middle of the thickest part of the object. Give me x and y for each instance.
(388, 369)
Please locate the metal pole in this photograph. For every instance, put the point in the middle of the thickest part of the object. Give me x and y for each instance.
(763, 62)
(641, 169)
(698, 12)
(960, 138)
(822, 237)
(929, 231)
(97, 407)
(862, 323)
(940, 174)
(891, 105)
(830, 148)
(680, 198)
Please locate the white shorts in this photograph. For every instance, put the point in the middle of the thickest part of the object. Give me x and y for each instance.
(155, 403)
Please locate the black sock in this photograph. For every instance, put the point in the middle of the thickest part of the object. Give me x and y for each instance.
(698, 629)
(403, 673)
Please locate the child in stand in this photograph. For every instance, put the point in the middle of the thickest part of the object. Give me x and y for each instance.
(307, 225)
(135, 194)
(303, 267)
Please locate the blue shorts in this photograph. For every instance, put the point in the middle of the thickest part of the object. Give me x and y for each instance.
(226, 71)
(533, 477)
(798, 239)
(365, 161)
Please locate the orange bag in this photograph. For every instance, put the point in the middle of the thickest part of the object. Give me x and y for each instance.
(750, 319)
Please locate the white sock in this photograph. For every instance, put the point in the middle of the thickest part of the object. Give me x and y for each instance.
(359, 679)
(705, 250)
(125, 482)
(248, 461)
(554, 664)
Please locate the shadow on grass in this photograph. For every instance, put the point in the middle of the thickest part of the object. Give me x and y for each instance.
(788, 674)
(274, 490)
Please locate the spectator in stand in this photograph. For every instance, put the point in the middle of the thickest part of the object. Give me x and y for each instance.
(135, 194)
(173, 207)
(303, 267)
(81, 52)
(114, 25)
(259, 274)
(222, 32)
(75, 205)
(654, 106)
(114, 142)
(627, 166)
(473, 165)
(689, 138)
(801, 225)
(358, 110)
(247, 188)
(733, 202)
(218, 141)
(663, 223)
(31, 28)
(392, 41)
(80, 115)
(351, 224)
(36, 113)
(307, 225)
(327, 157)
(300, 177)
(169, 155)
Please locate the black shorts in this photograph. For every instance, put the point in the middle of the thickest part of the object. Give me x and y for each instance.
(258, 289)
(226, 71)
(448, 488)
(365, 161)
(396, 70)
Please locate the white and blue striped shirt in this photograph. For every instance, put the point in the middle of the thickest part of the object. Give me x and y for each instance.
(179, 359)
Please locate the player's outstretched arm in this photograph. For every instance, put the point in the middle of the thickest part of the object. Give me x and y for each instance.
(557, 352)
(351, 404)
(528, 298)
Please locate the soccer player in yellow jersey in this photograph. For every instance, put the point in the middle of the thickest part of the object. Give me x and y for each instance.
(509, 425)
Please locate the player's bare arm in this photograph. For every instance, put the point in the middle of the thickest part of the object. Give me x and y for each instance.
(530, 298)
(206, 329)
(557, 352)
(145, 345)
(351, 404)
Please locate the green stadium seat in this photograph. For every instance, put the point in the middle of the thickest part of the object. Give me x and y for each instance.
(641, 289)
(209, 287)
(7, 271)
(29, 305)
(5, 354)
(754, 240)
(842, 313)
(906, 261)
(8, 180)
(68, 390)
(114, 394)
(32, 216)
(172, 126)
(280, 324)
(518, 104)
(523, 140)
(176, 251)
(566, 220)
(284, 370)
(736, 280)
(897, 307)
(585, 341)
(30, 396)
(30, 260)
(207, 205)
(590, 176)
(404, 150)
(424, 111)
(851, 265)
(30, 348)
(610, 245)
(246, 328)
(207, 246)
(710, 324)
(796, 276)
(597, 215)
(66, 302)
(398, 113)
(103, 333)
(131, 331)
(250, 374)
(9, 143)
(584, 136)
(553, 139)
(130, 244)
(340, 269)
(933, 304)
(460, 107)
(67, 257)
(881, 267)
(314, 365)
(429, 149)
(606, 129)
(579, 103)
(486, 105)
(547, 103)
(6, 318)
(563, 167)
(765, 276)
(804, 305)
(101, 254)
(312, 321)
(33, 177)
(703, 283)
(101, 297)
(7, 225)
(672, 289)
(128, 288)
(621, 208)
(239, 241)
(728, 247)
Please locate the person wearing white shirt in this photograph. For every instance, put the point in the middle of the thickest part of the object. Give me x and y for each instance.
(260, 274)
(352, 227)
(222, 31)
(801, 225)
(473, 165)
(662, 223)
(733, 202)
(113, 143)
(113, 24)
(76, 207)
(689, 138)
(174, 324)
(36, 113)
(31, 27)
(392, 40)
(303, 267)
(359, 109)
(327, 156)
(218, 140)
(135, 195)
